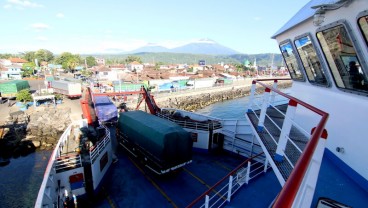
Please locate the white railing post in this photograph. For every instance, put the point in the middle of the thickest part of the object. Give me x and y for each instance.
(265, 165)
(251, 96)
(273, 94)
(305, 193)
(229, 192)
(247, 177)
(262, 117)
(207, 202)
(285, 131)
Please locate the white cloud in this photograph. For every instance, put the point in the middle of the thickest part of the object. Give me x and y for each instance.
(7, 6)
(20, 4)
(257, 18)
(41, 38)
(40, 26)
(60, 15)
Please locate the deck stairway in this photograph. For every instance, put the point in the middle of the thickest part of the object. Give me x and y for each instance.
(69, 157)
(273, 125)
(68, 162)
(239, 138)
(293, 149)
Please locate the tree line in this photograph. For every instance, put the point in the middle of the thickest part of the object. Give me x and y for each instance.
(67, 60)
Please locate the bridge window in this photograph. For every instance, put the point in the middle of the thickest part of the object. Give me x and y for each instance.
(291, 62)
(310, 61)
(363, 24)
(342, 59)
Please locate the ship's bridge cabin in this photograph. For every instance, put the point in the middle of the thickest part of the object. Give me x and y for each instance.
(325, 48)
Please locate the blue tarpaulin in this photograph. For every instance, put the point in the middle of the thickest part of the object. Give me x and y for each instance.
(105, 109)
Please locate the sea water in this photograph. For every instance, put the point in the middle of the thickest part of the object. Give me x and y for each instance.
(230, 109)
(21, 179)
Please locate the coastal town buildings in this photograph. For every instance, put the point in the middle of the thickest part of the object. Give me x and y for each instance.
(11, 68)
(135, 66)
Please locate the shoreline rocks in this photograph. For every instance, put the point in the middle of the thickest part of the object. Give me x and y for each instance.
(195, 102)
(36, 128)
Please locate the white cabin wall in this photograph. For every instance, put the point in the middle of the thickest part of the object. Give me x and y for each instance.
(202, 139)
(346, 125)
(96, 173)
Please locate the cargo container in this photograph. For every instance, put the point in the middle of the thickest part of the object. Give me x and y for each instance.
(106, 111)
(70, 89)
(11, 88)
(163, 145)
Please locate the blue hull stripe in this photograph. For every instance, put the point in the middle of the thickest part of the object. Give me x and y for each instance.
(362, 182)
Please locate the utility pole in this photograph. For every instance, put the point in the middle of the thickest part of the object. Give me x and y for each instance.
(273, 56)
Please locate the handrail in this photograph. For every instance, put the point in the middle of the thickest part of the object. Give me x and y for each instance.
(306, 105)
(192, 124)
(96, 149)
(291, 187)
(49, 167)
(222, 180)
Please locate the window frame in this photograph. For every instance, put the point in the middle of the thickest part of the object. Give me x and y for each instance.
(320, 58)
(298, 61)
(359, 53)
(360, 15)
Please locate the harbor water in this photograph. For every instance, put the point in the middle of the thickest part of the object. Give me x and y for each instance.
(230, 109)
(21, 179)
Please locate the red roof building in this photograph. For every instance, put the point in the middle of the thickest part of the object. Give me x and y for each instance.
(17, 60)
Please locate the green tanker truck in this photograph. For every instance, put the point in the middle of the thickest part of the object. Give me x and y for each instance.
(164, 146)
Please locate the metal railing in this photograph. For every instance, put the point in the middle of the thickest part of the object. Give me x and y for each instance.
(230, 184)
(47, 194)
(275, 140)
(96, 150)
(212, 125)
(293, 189)
(68, 162)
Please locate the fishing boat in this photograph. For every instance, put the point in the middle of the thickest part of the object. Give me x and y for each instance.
(302, 148)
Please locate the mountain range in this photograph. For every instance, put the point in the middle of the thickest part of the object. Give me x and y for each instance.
(202, 46)
(203, 49)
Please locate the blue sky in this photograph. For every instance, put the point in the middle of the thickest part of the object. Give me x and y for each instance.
(81, 26)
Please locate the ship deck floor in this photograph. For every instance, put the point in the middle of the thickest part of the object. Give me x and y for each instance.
(130, 184)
